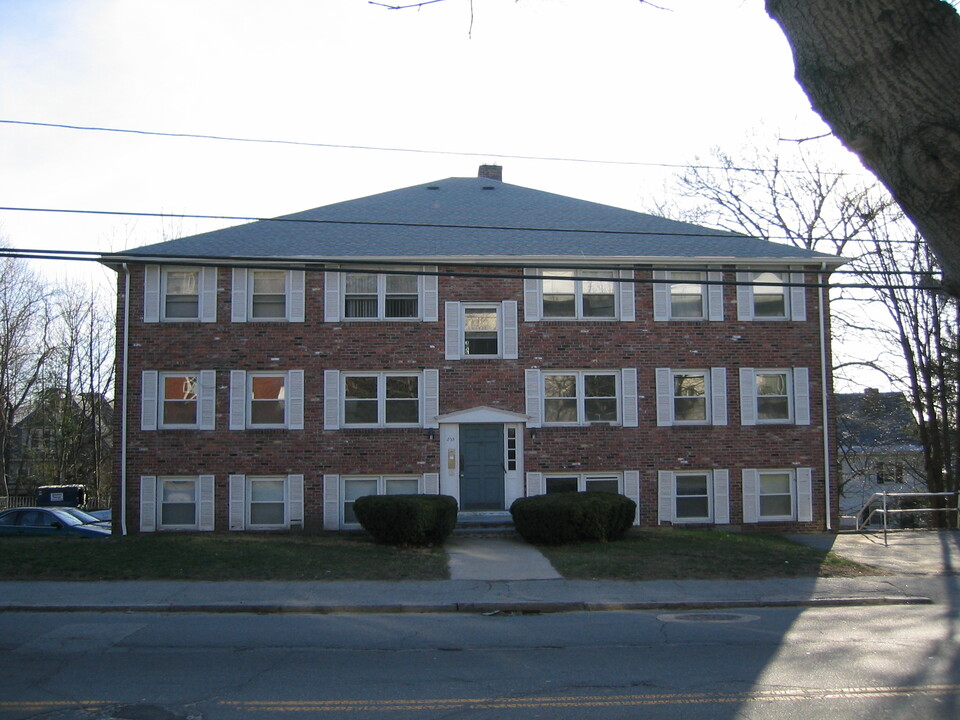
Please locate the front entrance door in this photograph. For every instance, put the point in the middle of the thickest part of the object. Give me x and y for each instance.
(481, 467)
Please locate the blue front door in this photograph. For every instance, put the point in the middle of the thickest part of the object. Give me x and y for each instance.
(481, 467)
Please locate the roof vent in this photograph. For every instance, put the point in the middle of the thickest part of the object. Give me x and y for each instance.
(433, 187)
(491, 172)
(488, 187)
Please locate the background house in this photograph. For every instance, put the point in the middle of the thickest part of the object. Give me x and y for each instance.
(879, 447)
(60, 440)
(477, 339)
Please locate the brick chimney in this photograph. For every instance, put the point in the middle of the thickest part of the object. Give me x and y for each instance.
(491, 172)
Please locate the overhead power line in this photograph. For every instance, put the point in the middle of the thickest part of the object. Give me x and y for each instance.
(446, 269)
(379, 148)
(720, 234)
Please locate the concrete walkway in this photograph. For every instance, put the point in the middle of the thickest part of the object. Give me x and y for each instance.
(477, 557)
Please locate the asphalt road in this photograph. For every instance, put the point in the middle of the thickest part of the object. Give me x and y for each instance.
(784, 663)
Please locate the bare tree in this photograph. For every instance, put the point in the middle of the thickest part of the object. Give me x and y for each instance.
(910, 328)
(78, 380)
(25, 314)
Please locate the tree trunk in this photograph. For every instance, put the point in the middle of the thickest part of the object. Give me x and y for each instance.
(885, 76)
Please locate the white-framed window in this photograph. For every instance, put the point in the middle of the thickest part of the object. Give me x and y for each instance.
(777, 495)
(771, 295)
(174, 502)
(178, 504)
(178, 400)
(582, 482)
(267, 295)
(397, 294)
(775, 396)
(582, 397)
(355, 486)
(179, 294)
(266, 502)
(481, 330)
(513, 446)
(686, 295)
(380, 399)
(266, 399)
(582, 294)
(694, 496)
(691, 397)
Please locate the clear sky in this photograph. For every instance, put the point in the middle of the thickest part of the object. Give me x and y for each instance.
(608, 80)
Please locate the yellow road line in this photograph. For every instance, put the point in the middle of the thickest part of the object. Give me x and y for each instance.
(504, 703)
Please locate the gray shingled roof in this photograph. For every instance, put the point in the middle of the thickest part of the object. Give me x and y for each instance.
(475, 218)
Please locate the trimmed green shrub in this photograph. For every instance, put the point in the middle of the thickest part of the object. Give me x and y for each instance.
(407, 519)
(573, 517)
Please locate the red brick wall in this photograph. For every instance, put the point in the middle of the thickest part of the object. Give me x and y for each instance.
(315, 346)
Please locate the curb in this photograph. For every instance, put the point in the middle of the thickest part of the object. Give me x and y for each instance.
(475, 608)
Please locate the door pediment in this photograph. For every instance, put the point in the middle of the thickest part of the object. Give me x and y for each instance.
(483, 414)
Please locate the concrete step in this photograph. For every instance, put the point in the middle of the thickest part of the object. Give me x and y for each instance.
(499, 523)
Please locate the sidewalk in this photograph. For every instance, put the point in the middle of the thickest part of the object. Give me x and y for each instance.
(504, 575)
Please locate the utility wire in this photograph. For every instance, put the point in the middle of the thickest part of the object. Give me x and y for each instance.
(720, 234)
(402, 267)
(420, 151)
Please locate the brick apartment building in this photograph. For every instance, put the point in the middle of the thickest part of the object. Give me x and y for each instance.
(477, 339)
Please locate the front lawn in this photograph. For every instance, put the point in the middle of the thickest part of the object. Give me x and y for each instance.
(697, 554)
(218, 556)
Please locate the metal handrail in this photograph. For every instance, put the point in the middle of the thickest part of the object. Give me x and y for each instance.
(886, 511)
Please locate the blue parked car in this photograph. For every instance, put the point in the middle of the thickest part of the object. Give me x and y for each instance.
(50, 521)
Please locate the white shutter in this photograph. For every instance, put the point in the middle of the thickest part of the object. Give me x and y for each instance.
(295, 400)
(296, 295)
(628, 390)
(804, 495)
(718, 396)
(664, 496)
(208, 399)
(798, 299)
(151, 293)
(238, 295)
(331, 296)
(721, 497)
(207, 517)
(748, 397)
(661, 296)
(535, 484)
(148, 503)
(801, 396)
(237, 485)
(631, 488)
(531, 299)
(295, 500)
(664, 397)
(628, 303)
(331, 399)
(149, 383)
(511, 330)
(331, 502)
(451, 331)
(715, 297)
(431, 296)
(431, 483)
(744, 296)
(431, 398)
(208, 294)
(238, 399)
(751, 496)
(532, 385)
